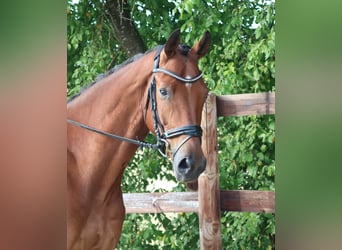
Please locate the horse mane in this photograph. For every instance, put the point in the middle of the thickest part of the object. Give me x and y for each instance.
(183, 48)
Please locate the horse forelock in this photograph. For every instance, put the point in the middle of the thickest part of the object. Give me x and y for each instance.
(184, 49)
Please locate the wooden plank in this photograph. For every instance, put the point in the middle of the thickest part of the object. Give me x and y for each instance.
(246, 104)
(248, 201)
(161, 202)
(231, 200)
(208, 182)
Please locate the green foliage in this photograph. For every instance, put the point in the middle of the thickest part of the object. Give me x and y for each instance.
(242, 60)
(247, 146)
(92, 47)
(160, 231)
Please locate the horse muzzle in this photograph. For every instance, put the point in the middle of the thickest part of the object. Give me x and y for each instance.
(187, 156)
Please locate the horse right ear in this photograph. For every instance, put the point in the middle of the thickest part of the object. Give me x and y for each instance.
(172, 44)
(202, 47)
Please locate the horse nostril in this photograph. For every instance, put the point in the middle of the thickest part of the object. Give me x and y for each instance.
(185, 165)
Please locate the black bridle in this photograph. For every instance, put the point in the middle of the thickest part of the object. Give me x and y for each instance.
(162, 144)
(161, 134)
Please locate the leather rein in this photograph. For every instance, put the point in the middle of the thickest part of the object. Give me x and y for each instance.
(162, 144)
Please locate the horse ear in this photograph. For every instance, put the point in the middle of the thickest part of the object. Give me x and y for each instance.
(172, 44)
(202, 47)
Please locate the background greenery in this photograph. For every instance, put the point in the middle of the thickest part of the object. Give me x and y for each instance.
(242, 60)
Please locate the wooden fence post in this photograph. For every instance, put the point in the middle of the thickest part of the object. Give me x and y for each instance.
(208, 182)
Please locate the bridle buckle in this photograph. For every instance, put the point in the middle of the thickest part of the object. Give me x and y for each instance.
(164, 148)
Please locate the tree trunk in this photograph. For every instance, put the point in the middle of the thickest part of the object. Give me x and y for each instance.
(118, 12)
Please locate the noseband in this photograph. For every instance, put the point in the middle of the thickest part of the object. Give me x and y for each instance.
(162, 144)
(161, 134)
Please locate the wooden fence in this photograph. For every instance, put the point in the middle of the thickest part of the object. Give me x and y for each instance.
(209, 200)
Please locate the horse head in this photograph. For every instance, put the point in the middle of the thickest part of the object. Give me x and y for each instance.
(178, 93)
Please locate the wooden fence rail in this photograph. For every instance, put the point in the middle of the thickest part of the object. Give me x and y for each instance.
(175, 202)
(246, 104)
(209, 201)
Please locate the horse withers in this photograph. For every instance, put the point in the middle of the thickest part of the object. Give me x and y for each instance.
(161, 91)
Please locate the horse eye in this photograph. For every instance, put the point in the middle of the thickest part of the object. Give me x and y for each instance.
(163, 92)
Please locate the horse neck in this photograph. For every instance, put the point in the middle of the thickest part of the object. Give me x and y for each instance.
(116, 105)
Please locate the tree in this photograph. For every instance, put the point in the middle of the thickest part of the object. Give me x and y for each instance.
(124, 29)
(242, 60)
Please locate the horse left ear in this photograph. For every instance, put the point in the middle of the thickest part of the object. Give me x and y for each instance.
(172, 44)
(202, 47)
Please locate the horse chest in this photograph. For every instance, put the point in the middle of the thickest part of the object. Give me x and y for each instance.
(103, 227)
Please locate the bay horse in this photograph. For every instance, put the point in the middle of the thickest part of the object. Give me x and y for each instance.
(161, 91)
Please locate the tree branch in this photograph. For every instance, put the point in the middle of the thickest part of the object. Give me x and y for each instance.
(118, 12)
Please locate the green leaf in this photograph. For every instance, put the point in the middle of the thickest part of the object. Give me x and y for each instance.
(257, 33)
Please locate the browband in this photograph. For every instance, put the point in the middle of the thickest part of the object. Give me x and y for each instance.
(182, 79)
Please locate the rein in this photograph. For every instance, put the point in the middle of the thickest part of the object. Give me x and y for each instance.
(162, 144)
(113, 136)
